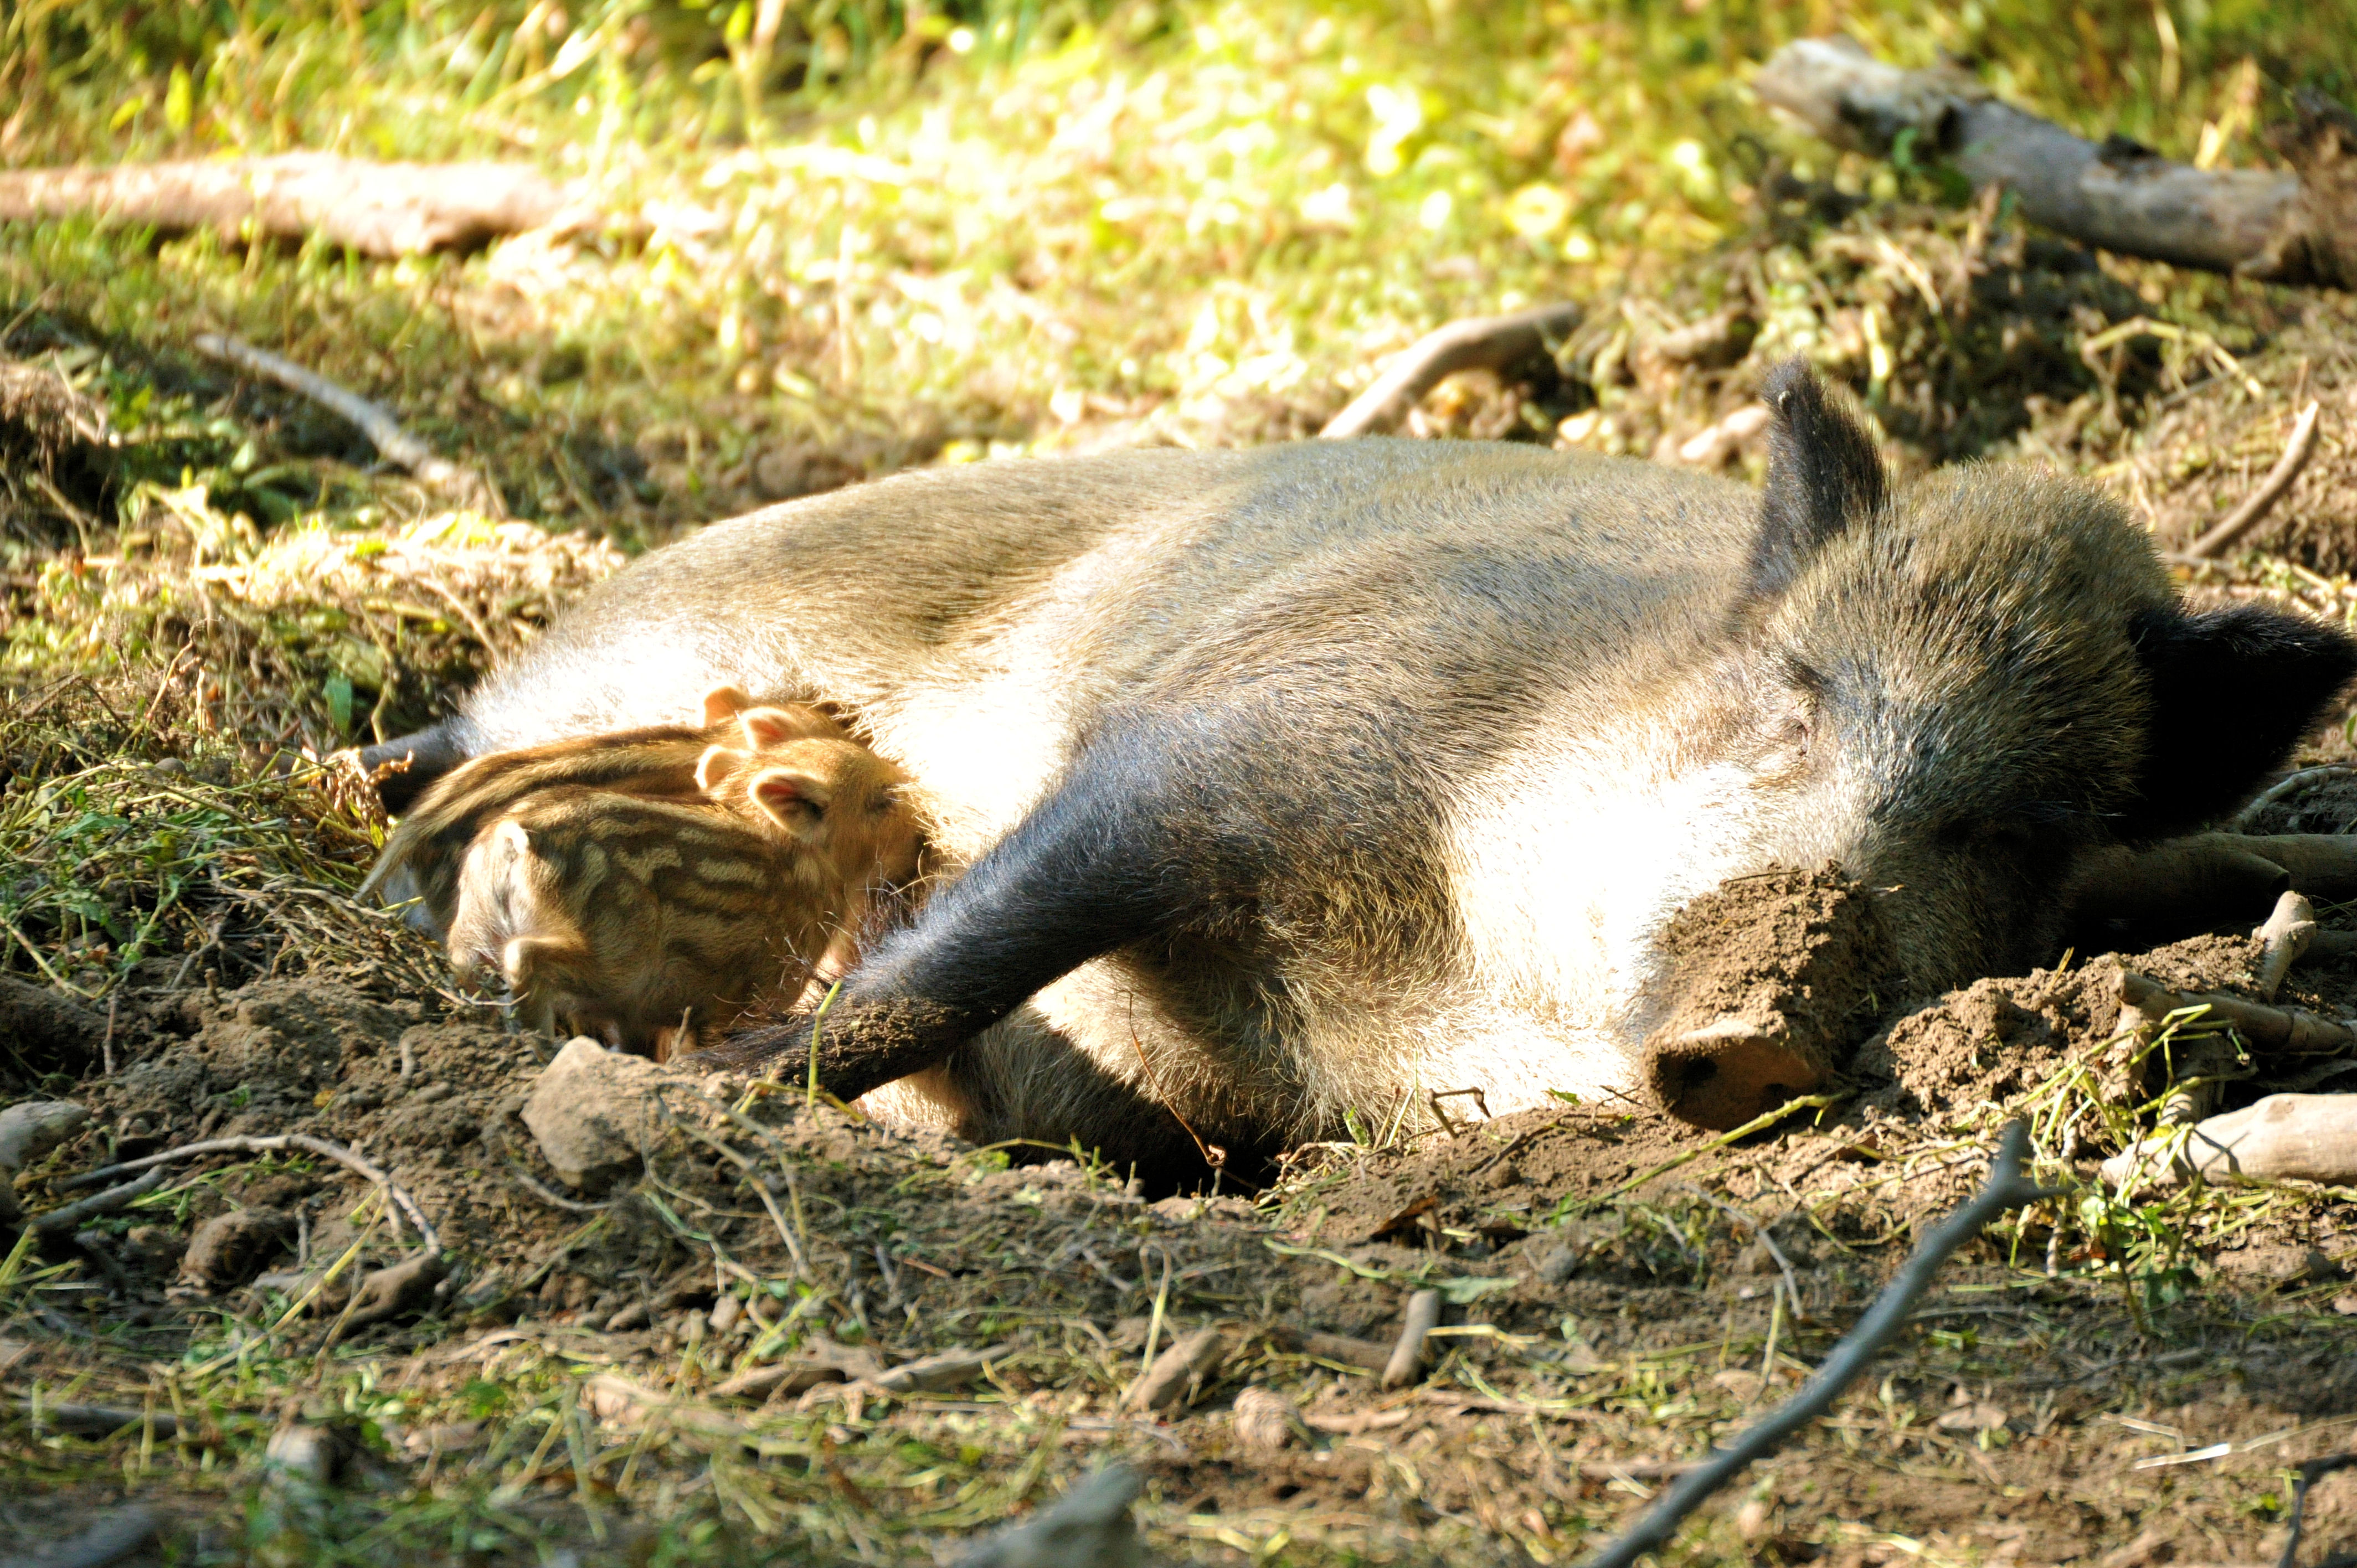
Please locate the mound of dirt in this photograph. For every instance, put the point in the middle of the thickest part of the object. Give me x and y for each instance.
(1781, 971)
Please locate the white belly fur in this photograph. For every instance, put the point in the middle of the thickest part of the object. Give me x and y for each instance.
(1566, 864)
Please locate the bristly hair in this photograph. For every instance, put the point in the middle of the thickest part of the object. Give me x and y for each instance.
(1823, 477)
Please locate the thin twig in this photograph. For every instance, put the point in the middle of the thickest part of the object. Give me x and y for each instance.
(2248, 817)
(531, 1185)
(2309, 1473)
(2259, 503)
(2006, 1188)
(278, 1142)
(1758, 1228)
(384, 431)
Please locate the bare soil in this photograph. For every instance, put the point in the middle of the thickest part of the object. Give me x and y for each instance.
(1615, 1294)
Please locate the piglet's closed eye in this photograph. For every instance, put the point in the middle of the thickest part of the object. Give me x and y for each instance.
(792, 799)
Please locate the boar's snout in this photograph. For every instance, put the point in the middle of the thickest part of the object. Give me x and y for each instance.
(1732, 1069)
(1777, 977)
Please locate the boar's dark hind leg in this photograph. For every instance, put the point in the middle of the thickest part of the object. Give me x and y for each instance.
(1103, 862)
(418, 760)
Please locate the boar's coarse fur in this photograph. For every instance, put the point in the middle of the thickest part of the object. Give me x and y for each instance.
(1281, 783)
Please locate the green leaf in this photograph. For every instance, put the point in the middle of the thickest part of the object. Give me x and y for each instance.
(1470, 1288)
(179, 99)
(339, 701)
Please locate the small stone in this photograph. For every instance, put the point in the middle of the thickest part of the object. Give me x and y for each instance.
(34, 1127)
(1090, 1526)
(592, 1113)
(303, 1451)
(1978, 1416)
(1265, 1420)
(1558, 1265)
(229, 1248)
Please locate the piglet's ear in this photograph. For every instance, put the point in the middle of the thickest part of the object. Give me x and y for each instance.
(723, 702)
(766, 727)
(794, 799)
(1823, 477)
(713, 768)
(2233, 690)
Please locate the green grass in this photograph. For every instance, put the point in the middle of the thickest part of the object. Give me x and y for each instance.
(1015, 229)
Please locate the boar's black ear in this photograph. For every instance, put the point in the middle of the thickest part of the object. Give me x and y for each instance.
(1823, 477)
(2233, 690)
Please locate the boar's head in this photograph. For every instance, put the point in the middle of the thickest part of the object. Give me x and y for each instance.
(1953, 690)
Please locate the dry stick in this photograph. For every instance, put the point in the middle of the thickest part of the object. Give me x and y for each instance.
(1191, 1355)
(1407, 1357)
(384, 431)
(2288, 1029)
(2284, 1137)
(1498, 343)
(376, 209)
(98, 1420)
(59, 1221)
(2006, 1188)
(2259, 503)
(278, 1142)
(2285, 937)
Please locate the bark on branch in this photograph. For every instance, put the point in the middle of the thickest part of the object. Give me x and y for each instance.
(2284, 1137)
(378, 209)
(2296, 228)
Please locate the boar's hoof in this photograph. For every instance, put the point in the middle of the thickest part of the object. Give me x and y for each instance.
(1724, 1074)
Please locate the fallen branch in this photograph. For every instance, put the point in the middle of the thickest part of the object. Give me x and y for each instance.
(1499, 343)
(2259, 503)
(384, 431)
(2292, 1030)
(273, 1144)
(2297, 779)
(1364, 1354)
(2006, 1188)
(2298, 228)
(929, 1374)
(2284, 1137)
(378, 209)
